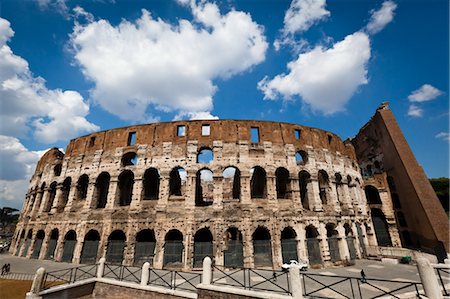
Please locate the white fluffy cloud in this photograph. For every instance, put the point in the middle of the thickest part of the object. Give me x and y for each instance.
(444, 136)
(17, 166)
(425, 93)
(302, 14)
(59, 6)
(415, 111)
(150, 63)
(324, 78)
(380, 18)
(26, 103)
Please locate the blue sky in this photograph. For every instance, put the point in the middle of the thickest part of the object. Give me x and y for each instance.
(68, 68)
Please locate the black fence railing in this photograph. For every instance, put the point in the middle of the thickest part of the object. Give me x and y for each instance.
(328, 286)
(122, 273)
(253, 279)
(175, 280)
(442, 274)
(70, 275)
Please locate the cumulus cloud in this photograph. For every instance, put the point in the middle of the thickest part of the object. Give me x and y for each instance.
(302, 14)
(151, 64)
(380, 18)
(324, 78)
(17, 166)
(27, 104)
(59, 6)
(201, 115)
(425, 93)
(444, 136)
(415, 111)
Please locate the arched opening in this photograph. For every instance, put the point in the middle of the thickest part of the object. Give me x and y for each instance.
(205, 156)
(40, 235)
(231, 183)
(151, 184)
(262, 247)
(333, 242)
(339, 186)
(57, 170)
(173, 249)
(289, 245)
(50, 254)
(204, 188)
(313, 246)
(304, 178)
(372, 195)
(70, 240)
(324, 184)
(129, 159)
(65, 189)
(350, 239)
(203, 246)
(381, 228)
(28, 242)
(90, 247)
(258, 183)
(51, 197)
(82, 187)
(233, 254)
(145, 247)
(301, 157)
(115, 247)
(283, 183)
(101, 190)
(126, 182)
(177, 181)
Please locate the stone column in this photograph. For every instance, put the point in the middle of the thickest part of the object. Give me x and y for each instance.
(295, 191)
(346, 200)
(159, 255)
(44, 246)
(59, 248)
(91, 201)
(45, 198)
(218, 192)
(37, 203)
(277, 254)
(187, 251)
(130, 243)
(315, 204)
(136, 198)
(301, 243)
(271, 188)
(164, 188)
(57, 200)
(323, 241)
(71, 198)
(189, 194)
(342, 242)
(248, 246)
(245, 188)
(332, 198)
(111, 201)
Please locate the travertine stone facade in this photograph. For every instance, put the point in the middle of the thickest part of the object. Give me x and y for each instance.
(294, 192)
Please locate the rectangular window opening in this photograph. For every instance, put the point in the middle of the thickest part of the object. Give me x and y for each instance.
(131, 138)
(206, 130)
(181, 130)
(255, 134)
(297, 133)
(329, 139)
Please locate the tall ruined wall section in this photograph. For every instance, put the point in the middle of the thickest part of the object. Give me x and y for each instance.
(383, 151)
(333, 204)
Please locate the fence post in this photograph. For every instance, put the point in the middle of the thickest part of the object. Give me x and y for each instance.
(101, 267)
(295, 281)
(206, 273)
(429, 279)
(36, 287)
(145, 273)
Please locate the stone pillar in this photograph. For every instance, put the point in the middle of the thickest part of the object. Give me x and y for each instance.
(111, 201)
(59, 248)
(159, 255)
(295, 281)
(248, 246)
(187, 251)
(323, 241)
(277, 255)
(189, 194)
(164, 188)
(101, 267)
(271, 188)
(36, 287)
(346, 199)
(45, 197)
(91, 201)
(218, 192)
(145, 274)
(37, 203)
(245, 187)
(57, 200)
(315, 204)
(342, 242)
(332, 198)
(301, 243)
(79, 245)
(130, 243)
(136, 198)
(71, 198)
(429, 279)
(44, 246)
(206, 271)
(295, 191)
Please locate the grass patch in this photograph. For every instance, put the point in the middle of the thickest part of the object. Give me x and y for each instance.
(12, 289)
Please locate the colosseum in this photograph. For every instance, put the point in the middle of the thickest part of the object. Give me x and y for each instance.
(246, 193)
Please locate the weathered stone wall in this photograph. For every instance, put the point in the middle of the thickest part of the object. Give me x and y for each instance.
(339, 201)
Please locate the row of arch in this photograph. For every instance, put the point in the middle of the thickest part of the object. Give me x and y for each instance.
(231, 182)
(203, 245)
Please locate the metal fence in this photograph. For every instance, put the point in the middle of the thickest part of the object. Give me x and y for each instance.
(70, 275)
(175, 280)
(328, 286)
(442, 274)
(122, 273)
(252, 279)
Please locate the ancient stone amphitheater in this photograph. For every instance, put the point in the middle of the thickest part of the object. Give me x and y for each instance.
(246, 193)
